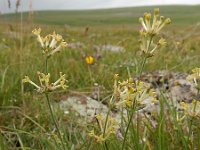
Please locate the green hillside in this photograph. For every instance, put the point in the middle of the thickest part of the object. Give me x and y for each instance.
(179, 15)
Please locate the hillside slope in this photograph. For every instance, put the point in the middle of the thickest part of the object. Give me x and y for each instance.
(179, 15)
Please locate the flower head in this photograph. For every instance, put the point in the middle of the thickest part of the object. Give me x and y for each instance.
(110, 128)
(195, 77)
(89, 60)
(191, 109)
(132, 92)
(44, 82)
(153, 27)
(51, 43)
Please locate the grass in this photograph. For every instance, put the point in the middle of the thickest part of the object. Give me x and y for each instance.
(24, 115)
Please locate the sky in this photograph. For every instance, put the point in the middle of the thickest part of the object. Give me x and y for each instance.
(85, 4)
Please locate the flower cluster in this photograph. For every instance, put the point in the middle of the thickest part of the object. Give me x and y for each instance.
(129, 93)
(51, 43)
(191, 109)
(45, 85)
(157, 24)
(106, 128)
(151, 29)
(195, 76)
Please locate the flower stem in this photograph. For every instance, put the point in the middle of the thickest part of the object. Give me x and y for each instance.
(54, 120)
(51, 110)
(133, 106)
(129, 122)
(142, 67)
(106, 121)
(46, 65)
(145, 58)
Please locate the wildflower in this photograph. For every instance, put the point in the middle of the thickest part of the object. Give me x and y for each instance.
(184, 106)
(195, 76)
(133, 92)
(110, 128)
(27, 80)
(191, 109)
(89, 60)
(156, 25)
(91, 133)
(151, 29)
(51, 43)
(39, 38)
(162, 42)
(99, 117)
(100, 138)
(116, 76)
(45, 85)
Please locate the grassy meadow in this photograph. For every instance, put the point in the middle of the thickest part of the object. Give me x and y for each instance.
(24, 114)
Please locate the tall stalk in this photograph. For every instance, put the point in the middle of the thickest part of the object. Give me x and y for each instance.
(129, 122)
(145, 58)
(51, 110)
(133, 106)
(106, 121)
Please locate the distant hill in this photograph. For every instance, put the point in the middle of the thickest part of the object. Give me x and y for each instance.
(179, 15)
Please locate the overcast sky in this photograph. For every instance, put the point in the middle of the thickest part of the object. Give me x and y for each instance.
(85, 4)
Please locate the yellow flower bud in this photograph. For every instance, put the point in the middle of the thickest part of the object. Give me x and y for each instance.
(100, 139)
(156, 11)
(99, 117)
(91, 133)
(141, 20)
(168, 21)
(162, 42)
(37, 31)
(116, 76)
(26, 79)
(147, 16)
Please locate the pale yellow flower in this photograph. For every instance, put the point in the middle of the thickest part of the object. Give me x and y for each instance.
(195, 77)
(191, 109)
(133, 92)
(110, 128)
(45, 85)
(51, 43)
(154, 27)
(151, 28)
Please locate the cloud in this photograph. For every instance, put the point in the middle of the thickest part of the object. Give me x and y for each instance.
(86, 4)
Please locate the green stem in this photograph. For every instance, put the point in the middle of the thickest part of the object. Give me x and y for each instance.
(106, 146)
(133, 107)
(51, 110)
(145, 58)
(142, 67)
(106, 121)
(46, 65)
(54, 120)
(129, 122)
(104, 130)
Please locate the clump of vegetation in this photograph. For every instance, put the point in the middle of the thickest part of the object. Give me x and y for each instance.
(25, 124)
